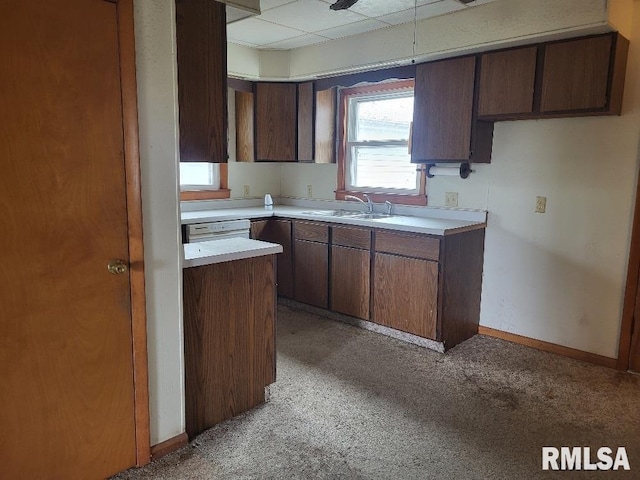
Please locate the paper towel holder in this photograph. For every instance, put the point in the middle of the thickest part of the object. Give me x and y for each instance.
(464, 170)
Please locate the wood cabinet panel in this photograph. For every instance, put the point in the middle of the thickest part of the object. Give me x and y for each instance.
(305, 122)
(245, 146)
(276, 121)
(350, 281)
(576, 74)
(278, 231)
(325, 126)
(351, 237)
(443, 107)
(311, 266)
(201, 42)
(229, 320)
(462, 263)
(507, 81)
(316, 232)
(418, 246)
(405, 294)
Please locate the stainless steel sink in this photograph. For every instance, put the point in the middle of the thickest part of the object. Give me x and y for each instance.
(334, 213)
(373, 216)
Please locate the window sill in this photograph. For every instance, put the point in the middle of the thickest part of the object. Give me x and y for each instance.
(395, 198)
(205, 194)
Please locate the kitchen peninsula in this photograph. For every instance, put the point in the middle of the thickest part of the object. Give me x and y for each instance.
(229, 328)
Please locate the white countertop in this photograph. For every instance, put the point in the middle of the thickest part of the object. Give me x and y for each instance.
(226, 250)
(432, 226)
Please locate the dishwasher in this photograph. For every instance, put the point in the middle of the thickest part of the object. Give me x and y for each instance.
(203, 232)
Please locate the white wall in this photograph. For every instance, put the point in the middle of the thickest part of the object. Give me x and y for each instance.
(321, 177)
(157, 115)
(262, 178)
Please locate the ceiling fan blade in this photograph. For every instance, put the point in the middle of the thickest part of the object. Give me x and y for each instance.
(342, 4)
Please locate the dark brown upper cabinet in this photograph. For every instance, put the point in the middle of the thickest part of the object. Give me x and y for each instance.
(507, 81)
(276, 122)
(444, 125)
(285, 122)
(305, 122)
(584, 76)
(566, 78)
(201, 36)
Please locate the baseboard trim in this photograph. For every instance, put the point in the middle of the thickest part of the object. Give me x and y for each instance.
(549, 347)
(169, 446)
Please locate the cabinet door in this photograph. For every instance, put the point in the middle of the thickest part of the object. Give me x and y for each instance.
(305, 122)
(350, 281)
(576, 74)
(507, 81)
(325, 126)
(443, 107)
(245, 146)
(278, 231)
(311, 265)
(405, 294)
(276, 121)
(229, 330)
(201, 40)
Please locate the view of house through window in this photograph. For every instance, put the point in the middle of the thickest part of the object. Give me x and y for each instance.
(377, 148)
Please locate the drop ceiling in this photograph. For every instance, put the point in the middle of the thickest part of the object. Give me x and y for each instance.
(288, 24)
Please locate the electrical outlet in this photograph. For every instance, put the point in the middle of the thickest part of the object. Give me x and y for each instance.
(451, 199)
(541, 204)
(245, 191)
(309, 191)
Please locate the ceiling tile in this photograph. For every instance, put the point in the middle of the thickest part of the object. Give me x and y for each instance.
(424, 11)
(297, 42)
(258, 32)
(268, 4)
(352, 29)
(310, 16)
(377, 8)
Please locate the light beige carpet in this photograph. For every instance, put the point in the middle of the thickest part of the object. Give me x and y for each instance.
(353, 404)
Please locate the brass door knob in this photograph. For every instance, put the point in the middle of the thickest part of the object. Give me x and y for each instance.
(118, 267)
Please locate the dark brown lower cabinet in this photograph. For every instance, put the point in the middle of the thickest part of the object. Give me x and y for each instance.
(429, 286)
(278, 231)
(350, 281)
(311, 270)
(405, 294)
(229, 329)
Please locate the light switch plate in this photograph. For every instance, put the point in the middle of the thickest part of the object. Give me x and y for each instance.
(541, 204)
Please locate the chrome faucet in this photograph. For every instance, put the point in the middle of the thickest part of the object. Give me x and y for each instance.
(389, 207)
(368, 204)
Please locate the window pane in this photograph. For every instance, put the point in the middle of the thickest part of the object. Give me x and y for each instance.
(386, 119)
(387, 167)
(200, 173)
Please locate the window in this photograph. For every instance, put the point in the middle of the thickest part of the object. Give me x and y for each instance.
(199, 176)
(374, 156)
(203, 181)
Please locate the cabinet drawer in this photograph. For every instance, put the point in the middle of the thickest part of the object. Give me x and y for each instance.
(352, 237)
(314, 232)
(416, 246)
